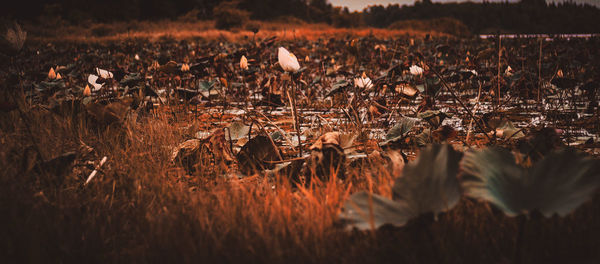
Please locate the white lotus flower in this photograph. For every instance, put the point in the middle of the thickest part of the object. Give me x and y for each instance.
(508, 71)
(137, 57)
(104, 73)
(244, 63)
(416, 70)
(287, 60)
(363, 82)
(92, 80)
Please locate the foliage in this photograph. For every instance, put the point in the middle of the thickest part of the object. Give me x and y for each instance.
(228, 16)
(526, 16)
(490, 17)
(15, 38)
(445, 25)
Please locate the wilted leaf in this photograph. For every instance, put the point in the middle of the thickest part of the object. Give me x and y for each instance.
(443, 133)
(60, 164)
(256, 155)
(507, 130)
(429, 184)
(170, 67)
(365, 211)
(539, 143)
(339, 87)
(433, 117)
(565, 83)
(559, 183)
(187, 154)
(237, 130)
(50, 87)
(131, 79)
(407, 90)
(423, 138)
(111, 113)
(220, 147)
(276, 135)
(400, 130)
(327, 158)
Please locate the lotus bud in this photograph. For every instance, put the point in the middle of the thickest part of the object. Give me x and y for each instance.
(244, 63)
(87, 91)
(287, 60)
(51, 74)
(154, 66)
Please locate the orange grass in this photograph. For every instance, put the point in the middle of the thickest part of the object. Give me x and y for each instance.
(142, 208)
(205, 30)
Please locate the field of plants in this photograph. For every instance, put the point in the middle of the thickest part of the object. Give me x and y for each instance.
(353, 149)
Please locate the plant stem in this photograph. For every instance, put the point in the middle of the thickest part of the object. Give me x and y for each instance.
(539, 73)
(295, 117)
(499, 54)
(459, 101)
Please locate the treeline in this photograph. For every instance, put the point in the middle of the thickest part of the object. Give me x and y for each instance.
(526, 16)
(120, 10)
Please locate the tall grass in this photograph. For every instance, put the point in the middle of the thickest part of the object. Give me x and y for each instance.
(142, 208)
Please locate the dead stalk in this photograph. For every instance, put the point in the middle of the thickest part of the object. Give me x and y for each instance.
(540, 73)
(262, 128)
(459, 101)
(283, 133)
(295, 117)
(93, 174)
(499, 55)
(475, 110)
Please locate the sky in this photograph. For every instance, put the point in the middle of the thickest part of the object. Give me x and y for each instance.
(359, 5)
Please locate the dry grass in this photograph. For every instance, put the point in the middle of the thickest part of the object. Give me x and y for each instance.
(142, 208)
(203, 30)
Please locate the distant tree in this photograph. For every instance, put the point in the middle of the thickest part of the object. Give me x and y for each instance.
(525, 16)
(227, 15)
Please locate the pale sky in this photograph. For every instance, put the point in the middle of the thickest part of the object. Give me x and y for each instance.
(359, 5)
